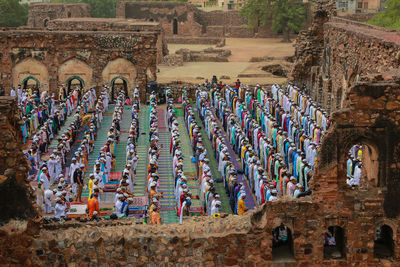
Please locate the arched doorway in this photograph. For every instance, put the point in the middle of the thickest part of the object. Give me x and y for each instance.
(175, 26)
(384, 244)
(117, 84)
(31, 83)
(282, 243)
(75, 82)
(334, 243)
(76, 72)
(33, 71)
(120, 68)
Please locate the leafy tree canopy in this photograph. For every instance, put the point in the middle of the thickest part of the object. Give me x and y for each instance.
(284, 16)
(390, 17)
(12, 13)
(99, 8)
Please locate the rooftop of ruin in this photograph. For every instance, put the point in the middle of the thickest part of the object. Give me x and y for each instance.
(96, 24)
(366, 30)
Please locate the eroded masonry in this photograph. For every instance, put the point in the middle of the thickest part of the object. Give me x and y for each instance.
(61, 44)
(351, 69)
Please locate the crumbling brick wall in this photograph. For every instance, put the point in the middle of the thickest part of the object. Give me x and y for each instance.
(96, 49)
(16, 197)
(334, 52)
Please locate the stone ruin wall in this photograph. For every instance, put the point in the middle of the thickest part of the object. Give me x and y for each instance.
(116, 25)
(16, 197)
(192, 22)
(93, 51)
(334, 53)
(41, 13)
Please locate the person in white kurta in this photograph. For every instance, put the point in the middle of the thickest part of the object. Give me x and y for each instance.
(48, 200)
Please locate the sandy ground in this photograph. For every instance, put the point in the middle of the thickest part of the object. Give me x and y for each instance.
(243, 49)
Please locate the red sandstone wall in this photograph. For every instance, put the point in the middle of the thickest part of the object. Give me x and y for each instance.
(95, 49)
(335, 52)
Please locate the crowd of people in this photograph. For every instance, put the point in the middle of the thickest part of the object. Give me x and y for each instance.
(208, 194)
(183, 195)
(153, 182)
(51, 170)
(233, 187)
(275, 133)
(354, 165)
(124, 193)
(277, 154)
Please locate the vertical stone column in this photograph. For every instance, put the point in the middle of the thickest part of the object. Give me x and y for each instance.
(16, 199)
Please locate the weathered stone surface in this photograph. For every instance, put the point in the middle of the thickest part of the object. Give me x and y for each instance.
(131, 55)
(186, 20)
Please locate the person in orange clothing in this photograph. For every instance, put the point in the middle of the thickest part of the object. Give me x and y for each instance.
(93, 205)
(153, 191)
(242, 205)
(155, 216)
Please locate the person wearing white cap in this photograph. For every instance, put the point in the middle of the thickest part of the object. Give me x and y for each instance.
(48, 199)
(108, 163)
(127, 171)
(184, 211)
(118, 194)
(99, 176)
(118, 205)
(299, 189)
(59, 209)
(215, 208)
(153, 189)
(58, 166)
(43, 179)
(273, 196)
(72, 169)
(51, 164)
(179, 192)
(242, 204)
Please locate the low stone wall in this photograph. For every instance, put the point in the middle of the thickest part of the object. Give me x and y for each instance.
(194, 40)
(206, 55)
(173, 60)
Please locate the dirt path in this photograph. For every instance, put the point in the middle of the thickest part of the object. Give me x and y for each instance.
(243, 49)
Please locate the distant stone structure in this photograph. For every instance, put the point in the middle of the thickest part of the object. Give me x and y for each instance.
(186, 20)
(335, 53)
(62, 43)
(41, 13)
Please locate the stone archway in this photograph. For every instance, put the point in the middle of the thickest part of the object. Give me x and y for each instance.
(120, 67)
(118, 83)
(75, 82)
(76, 69)
(29, 69)
(27, 80)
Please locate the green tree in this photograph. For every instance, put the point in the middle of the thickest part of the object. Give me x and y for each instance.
(288, 16)
(257, 12)
(99, 8)
(12, 13)
(284, 16)
(390, 17)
